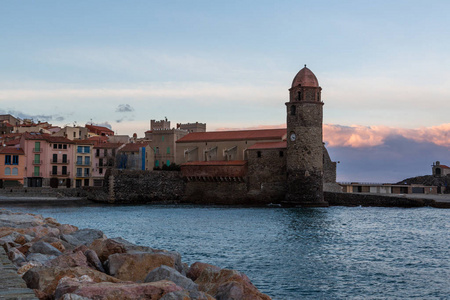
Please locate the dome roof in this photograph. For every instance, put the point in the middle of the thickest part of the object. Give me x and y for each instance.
(305, 77)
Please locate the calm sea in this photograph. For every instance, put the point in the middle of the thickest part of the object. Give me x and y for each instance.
(294, 253)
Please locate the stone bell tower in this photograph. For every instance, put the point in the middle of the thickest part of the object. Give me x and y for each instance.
(304, 141)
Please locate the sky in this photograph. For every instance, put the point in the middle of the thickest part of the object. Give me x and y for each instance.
(383, 67)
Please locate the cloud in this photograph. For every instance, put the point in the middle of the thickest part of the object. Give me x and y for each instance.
(124, 108)
(357, 136)
(35, 118)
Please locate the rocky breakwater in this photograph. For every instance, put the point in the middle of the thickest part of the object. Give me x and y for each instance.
(60, 261)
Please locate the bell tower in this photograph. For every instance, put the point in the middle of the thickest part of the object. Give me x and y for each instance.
(304, 141)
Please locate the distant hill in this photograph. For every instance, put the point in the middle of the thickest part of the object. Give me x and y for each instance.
(429, 180)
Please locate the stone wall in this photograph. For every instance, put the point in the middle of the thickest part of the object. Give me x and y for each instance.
(128, 186)
(347, 199)
(216, 192)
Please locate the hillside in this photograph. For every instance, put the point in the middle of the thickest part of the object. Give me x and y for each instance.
(429, 180)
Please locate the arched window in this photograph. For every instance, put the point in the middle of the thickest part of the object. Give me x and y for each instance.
(157, 163)
(7, 171)
(15, 171)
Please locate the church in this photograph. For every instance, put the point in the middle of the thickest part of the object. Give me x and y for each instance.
(289, 165)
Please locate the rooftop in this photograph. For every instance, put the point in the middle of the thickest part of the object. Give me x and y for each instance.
(269, 145)
(264, 134)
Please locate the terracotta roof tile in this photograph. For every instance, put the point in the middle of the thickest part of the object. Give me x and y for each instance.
(444, 166)
(265, 134)
(46, 137)
(133, 147)
(269, 145)
(11, 150)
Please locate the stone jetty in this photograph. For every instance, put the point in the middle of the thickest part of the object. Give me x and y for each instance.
(61, 261)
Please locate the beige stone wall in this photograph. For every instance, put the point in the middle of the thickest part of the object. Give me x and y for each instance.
(162, 148)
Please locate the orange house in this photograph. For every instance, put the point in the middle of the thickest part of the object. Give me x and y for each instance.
(12, 166)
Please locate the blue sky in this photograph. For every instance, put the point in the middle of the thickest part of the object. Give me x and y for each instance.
(226, 63)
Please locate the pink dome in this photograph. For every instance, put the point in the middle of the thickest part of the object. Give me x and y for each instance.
(305, 77)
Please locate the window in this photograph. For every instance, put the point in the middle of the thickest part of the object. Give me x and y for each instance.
(55, 158)
(100, 162)
(157, 163)
(64, 159)
(59, 146)
(86, 172)
(37, 171)
(78, 183)
(258, 153)
(162, 138)
(79, 160)
(80, 149)
(64, 146)
(87, 149)
(157, 150)
(293, 110)
(97, 152)
(87, 160)
(281, 153)
(79, 172)
(55, 146)
(105, 152)
(7, 171)
(100, 170)
(7, 159)
(15, 171)
(168, 150)
(74, 134)
(54, 170)
(64, 170)
(86, 182)
(15, 160)
(37, 158)
(37, 146)
(168, 162)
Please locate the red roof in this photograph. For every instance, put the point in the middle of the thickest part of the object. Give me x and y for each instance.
(269, 145)
(133, 147)
(99, 129)
(11, 150)
(84, 142)
(46, 137)
(444, 167)
(216, 163)
(305, 77)
(265, 134)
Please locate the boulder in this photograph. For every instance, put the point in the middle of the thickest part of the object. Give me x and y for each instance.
(87, 236)
(197, 268)
(73, 297)
(187, 295)
(110, 291)
(46, 279)
(168, 273)
(44, 248)
(71, 239)
(67, 228)
(19, 220)
(136, 266)
(25, 247)
(228, 284)
(94, 261)
(16, 257)
(59, 245)
(106, 247)
(39, 258)
(69, 260)
(37, 232)
(23, 269)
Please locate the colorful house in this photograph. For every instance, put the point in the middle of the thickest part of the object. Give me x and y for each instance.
(12, 166)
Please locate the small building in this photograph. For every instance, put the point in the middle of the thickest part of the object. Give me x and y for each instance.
(99, 130)
(11, 119)
(83, 158)
(386, 188)
(440, 170)
(12, 166)
(131, 157)
(104, 157)
(162, 149)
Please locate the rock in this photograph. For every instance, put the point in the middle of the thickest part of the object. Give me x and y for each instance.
(228, 284)
(106, 247)
(69, 260)
(73, 297)
(94, 261)
(16, 257)
(19, 220)
(39, 258)
(16, 238)
(87, 236)
(168, 273)
(23, 269)
(44, 248)
(110, 291)
(71, 239)
(187, 295)
(58, 245)
(197, 268)
(46, 279)
(37, 232)
(25, 247)
(52, 221)
(136, 266)
(67, 228)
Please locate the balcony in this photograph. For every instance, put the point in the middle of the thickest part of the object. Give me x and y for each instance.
(37, 150)
(81, 175)
(60, 174)
(60, 161)
(83, 163)
(37, 162)
(36, 174)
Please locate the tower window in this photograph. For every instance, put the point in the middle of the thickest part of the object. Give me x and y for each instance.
(258, 154)
(293, 110)
(281, 153)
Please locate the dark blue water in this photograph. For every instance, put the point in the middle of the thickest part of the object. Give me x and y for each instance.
(320, 253)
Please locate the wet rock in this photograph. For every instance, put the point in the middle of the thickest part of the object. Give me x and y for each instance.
(168, 273)
(87, 236)
(94, 261)
(136, 266)
(46, 279)
(44, 248)
(187, 295)
(228, 284)
(123, 291)
(197, 268)
(106, 247)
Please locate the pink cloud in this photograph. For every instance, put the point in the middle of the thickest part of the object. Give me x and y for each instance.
(362, 136)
